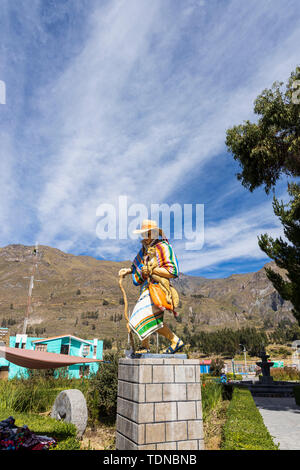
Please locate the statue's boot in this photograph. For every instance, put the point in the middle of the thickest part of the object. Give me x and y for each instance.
(176, 343)
(144, 346)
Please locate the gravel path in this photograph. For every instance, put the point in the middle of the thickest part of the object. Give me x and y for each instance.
(282, 418)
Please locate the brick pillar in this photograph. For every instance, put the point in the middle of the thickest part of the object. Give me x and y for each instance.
(159, 404)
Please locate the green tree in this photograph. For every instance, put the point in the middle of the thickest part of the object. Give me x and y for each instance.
(286, 253)
(266, 150)
(271, 147)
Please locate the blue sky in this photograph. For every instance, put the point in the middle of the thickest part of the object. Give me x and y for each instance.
(131, 97)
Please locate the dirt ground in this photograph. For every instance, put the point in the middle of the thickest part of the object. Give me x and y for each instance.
(213, 426)
(100, 437)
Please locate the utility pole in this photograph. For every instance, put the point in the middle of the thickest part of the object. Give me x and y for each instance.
(233, 370)
(31, 284)
(245, 356)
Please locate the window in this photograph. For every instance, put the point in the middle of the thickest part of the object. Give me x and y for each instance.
(85, 350)
(64, 349)
(84, 371)
(41, 347)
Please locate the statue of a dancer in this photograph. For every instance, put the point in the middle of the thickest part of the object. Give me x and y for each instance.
(152, 268)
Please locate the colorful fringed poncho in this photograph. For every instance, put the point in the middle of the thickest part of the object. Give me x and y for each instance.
(146, 317)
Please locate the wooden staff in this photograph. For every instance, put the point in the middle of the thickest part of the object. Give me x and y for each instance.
(126, 313)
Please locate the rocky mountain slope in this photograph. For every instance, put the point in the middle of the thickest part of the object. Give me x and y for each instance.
(80, 295)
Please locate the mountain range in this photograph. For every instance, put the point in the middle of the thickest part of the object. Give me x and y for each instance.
(80, 295)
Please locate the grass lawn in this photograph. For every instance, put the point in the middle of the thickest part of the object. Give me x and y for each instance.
(64, 433)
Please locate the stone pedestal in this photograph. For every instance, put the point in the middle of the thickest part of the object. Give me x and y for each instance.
(159, 404)
(266, 379)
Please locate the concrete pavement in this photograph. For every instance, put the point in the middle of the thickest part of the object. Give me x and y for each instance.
(282, 418)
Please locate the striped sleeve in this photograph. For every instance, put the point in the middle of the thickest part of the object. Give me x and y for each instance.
(166, 258)
(137, 265)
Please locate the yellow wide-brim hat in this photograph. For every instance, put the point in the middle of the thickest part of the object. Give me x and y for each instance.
(148, 225)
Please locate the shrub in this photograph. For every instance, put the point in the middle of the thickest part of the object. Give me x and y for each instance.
(285, 373)
(297, 394)
(211, 396)
(107, 343)
(216, 366)
(227, 391)
(103, 389)
(244, 428)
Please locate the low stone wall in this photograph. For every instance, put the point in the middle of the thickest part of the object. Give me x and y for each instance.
(159, 404)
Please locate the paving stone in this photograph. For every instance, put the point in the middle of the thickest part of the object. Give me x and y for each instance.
(127, 409)
(122, 443)
(134, 432)
(128, 373)
(166, 411)
(174, 361)
(174, 392)
(201, 445)
(145, 374)
(194, 391)
(153, 392)
(163, 374)
(167, 446)
(199, 413)
(192, 362)
(146, 413)
(150, 361)
(131, 391)
(155, 432)
(186, 410)
(185, 373)
(176, 431)
(195, 429)
(187, 445)
(197, 374)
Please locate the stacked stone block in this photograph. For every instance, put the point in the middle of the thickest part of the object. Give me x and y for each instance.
(159, 404)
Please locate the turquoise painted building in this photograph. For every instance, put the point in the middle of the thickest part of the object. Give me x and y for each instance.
(64, 344)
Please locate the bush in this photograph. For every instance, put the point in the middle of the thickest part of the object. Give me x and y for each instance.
(244, 428)
(211, 396)
(227, 391)
(285, 373)
(216, 366)
(107, 343)
(231, 375)
(297, 394)
(103, 389)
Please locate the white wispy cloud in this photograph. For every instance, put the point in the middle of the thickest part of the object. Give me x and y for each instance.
(139, 109)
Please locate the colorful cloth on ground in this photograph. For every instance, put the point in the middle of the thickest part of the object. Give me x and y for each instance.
(16, 438)
(146, 317)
